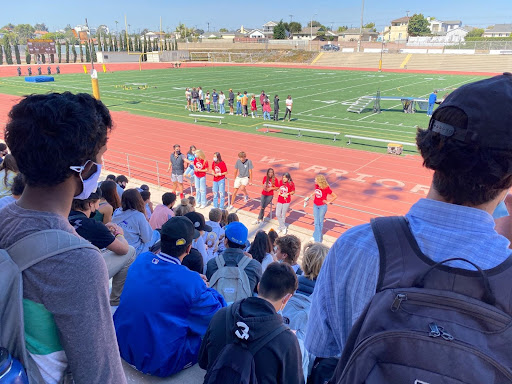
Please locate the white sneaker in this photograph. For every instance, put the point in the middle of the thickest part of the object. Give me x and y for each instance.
(246, 198)
(285, 231)
(230, 208)
(202, 206)
(312, 239)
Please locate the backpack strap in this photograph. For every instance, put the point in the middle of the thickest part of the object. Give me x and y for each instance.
(220, 261)
(256, 346)
(44, 244)
(76, 217)
(244, 262)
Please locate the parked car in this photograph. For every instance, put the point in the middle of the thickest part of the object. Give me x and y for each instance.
(330, 47)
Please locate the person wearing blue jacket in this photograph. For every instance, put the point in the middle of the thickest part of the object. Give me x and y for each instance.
(431, 102)
(165, 308)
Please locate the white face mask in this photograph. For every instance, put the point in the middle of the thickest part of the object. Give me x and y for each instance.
(89, 185)
(215, 159)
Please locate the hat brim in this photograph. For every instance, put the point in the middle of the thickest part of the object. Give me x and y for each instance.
(207, 228)
(196, 234)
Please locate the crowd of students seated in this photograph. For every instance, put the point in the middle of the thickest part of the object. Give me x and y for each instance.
(190, 290)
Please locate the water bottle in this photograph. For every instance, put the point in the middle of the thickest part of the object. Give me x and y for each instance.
(11, 370)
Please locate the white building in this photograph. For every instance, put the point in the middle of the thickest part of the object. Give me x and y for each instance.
(439, 27)
(499, 30)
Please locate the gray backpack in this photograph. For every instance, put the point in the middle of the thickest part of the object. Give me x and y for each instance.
(231, 282)
(429, 322)
(20, 256)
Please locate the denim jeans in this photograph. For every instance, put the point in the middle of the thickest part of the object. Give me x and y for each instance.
(208, 107)
(265, 200)
(281, 210)
(266, 115)
(238, 108)
(216, 106)
(201, 190)
(219, 190)
(222, 109)
(430, 109)
(319, 215)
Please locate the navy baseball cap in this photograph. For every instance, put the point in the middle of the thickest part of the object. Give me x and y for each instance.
(198, 220)
(236, 232)
(179, 231)
(487, 105)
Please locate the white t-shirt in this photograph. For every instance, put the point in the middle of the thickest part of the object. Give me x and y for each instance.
(222, 97)
(289, 103)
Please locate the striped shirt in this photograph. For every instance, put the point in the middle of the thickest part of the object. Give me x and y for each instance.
(349, 275)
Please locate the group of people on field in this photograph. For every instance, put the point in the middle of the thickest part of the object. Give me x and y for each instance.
(199, 101)
(194, 165)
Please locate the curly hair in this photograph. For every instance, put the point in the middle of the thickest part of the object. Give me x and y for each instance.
(464, 173)
(289, 245)
(49, 133)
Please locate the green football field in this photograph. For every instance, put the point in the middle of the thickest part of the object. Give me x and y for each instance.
(321, 97)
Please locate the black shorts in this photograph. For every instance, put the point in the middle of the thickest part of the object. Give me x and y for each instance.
(245, 109)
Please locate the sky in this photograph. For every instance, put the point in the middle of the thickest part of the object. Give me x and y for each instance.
(215, 14)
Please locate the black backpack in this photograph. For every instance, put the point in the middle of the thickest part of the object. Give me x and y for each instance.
(428, 322)
(235, 363)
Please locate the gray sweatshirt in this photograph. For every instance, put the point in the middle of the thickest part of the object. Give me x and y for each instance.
(137, 231)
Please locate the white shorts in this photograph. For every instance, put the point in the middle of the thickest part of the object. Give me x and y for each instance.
(177, 178)
(239, 181)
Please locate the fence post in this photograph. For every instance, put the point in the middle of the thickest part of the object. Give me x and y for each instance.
(128, 165)
(157, 173)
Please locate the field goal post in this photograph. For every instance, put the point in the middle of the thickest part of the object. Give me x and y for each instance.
(376, 103)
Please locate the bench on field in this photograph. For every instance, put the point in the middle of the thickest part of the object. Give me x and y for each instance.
(205, 117)
(300, 130)
(349, 137)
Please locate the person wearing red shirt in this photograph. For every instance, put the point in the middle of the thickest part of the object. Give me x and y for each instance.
(286, 190)
(254, 108)
(270, 184)
(200, 169)
(323, 196)
(219, 172)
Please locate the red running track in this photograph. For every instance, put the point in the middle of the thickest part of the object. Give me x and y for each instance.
(368, 184)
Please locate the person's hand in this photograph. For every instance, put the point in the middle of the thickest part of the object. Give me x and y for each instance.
(248, 254)
(204, 279)
(114, 229)
(168, 169)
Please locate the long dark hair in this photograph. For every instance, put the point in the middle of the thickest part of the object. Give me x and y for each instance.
(273, 179)
(288, 176)
(109, 193)
(132, 199)
(219, 157)
(260, 246)
(190, 151)
(9, 165)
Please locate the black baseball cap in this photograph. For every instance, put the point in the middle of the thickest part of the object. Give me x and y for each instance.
(198, 221)
(178, 230)
(488, 107)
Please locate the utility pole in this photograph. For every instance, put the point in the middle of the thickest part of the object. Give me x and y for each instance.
(291, 18)
(360, 28)
(208, 23)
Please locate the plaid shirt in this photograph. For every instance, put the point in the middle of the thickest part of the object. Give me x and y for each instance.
(348, 278)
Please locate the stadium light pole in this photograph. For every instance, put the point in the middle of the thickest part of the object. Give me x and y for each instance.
(360, 28)
(94, 74)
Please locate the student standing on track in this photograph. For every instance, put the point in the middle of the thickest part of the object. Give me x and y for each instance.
(207, 99)
(286, 190)
(201, 99)
(189, 172)
(231, 101)
(195, 99)
(200, 169)
(270, 184)
(243, 177)
(323, 196)
(288, 112)
(276, 108)
(178, 162)
(219, 171)
(266, 109)
(431, 102)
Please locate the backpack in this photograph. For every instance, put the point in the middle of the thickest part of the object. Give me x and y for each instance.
(429, 322)
(235, 363)
(231, 282)
(20, 256)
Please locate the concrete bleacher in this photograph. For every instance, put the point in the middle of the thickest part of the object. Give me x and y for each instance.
(432, 62)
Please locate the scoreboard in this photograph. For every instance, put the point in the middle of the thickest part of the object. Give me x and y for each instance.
(41, 46)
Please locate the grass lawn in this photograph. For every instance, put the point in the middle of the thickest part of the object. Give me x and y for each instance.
(321, 97)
